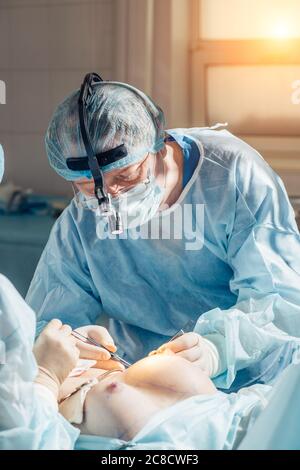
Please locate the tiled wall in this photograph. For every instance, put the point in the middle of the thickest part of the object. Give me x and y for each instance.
(46, 47)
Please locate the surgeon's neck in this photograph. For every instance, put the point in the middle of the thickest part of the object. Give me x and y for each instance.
(173, 161)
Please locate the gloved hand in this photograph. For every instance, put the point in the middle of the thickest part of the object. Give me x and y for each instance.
(55, 350)
(89, 351)
(196, 349)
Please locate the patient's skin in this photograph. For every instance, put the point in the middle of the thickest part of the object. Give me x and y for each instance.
(123, 402)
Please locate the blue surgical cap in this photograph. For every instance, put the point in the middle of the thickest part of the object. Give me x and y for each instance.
(117, 114)
(1, 162)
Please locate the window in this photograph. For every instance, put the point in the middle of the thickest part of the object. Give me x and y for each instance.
(246, 71)
(249, 19)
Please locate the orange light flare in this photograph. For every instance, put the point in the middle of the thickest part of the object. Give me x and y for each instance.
(284, 29)
(281, 38)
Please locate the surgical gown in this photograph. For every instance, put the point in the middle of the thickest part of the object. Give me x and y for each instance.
(233, 269)
(26, 420)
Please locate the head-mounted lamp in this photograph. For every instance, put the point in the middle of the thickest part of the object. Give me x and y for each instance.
(93, 161)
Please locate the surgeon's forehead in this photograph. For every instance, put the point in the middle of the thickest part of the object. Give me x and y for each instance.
(115, 172)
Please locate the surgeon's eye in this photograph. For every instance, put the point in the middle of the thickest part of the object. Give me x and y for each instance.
(131, 176)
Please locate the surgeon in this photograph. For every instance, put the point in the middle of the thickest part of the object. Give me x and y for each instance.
(169, 228)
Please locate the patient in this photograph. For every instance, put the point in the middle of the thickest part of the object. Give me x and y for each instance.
(118, 404)
(162, 401)
(113, 403)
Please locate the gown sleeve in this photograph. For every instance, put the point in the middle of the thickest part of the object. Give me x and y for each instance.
(258, 335)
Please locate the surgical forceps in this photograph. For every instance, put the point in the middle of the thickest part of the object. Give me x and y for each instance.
(113, 355)
(187, 327)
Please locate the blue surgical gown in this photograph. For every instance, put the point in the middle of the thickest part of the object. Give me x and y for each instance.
(27, 420)
(234, 270)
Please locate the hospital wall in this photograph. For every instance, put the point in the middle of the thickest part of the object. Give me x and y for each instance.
(46, 47)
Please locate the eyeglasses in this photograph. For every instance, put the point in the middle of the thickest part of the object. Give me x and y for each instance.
(117, 185)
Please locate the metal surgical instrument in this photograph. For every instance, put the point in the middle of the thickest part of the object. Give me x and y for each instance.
(187, 327)
(114, 356)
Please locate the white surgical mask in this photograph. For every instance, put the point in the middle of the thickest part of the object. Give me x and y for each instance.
(136, 205)
(139, 204)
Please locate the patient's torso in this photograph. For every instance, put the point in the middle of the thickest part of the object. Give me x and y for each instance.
(123, 402)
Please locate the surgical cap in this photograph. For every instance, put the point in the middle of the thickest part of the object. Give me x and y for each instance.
(1, 163)
(117, 114)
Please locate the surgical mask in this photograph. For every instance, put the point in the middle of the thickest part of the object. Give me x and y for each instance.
(139, 204)
(136, 205)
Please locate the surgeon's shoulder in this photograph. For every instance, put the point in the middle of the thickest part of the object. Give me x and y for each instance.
(250, 167)
(223, 148)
